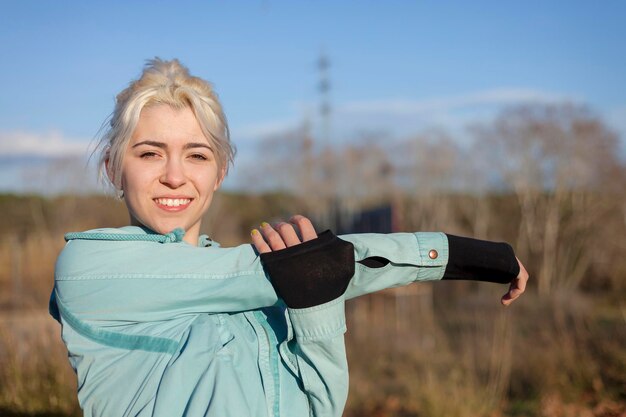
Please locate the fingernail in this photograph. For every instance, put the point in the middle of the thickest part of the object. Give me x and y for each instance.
(254, 232)
(264, 224)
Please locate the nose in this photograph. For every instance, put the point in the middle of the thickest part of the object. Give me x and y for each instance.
(173, 174)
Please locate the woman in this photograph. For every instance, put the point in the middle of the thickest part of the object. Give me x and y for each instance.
(160, 321)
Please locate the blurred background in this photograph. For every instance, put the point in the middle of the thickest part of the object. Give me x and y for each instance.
(498, 120)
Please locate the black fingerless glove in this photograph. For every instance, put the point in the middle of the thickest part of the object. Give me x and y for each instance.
(313, 272)
(480, 260)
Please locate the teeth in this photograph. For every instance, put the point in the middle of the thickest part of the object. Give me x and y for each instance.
(173, 202)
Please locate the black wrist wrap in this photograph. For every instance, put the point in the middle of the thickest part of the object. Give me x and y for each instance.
(313, 272)
(480, 260)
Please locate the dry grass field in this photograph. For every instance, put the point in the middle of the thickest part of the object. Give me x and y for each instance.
(441, 349)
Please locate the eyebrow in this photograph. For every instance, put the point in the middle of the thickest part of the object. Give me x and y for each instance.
(163, 145)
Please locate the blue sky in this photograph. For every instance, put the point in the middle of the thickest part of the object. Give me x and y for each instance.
(396, 66)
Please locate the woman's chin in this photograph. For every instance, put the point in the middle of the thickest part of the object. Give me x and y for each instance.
(161, 228)
(165, 229)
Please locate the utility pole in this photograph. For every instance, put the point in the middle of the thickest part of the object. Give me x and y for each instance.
(327, 187)
(323, 64)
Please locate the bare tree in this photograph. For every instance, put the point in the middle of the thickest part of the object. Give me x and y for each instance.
(434, 173)
(560, 162)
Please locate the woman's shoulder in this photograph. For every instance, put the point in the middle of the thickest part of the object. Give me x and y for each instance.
(101, 245)
(137, 250)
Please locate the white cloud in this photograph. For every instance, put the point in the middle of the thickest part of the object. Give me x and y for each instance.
(496, 97)
(261, 130)
(404, 116)
(36, 145)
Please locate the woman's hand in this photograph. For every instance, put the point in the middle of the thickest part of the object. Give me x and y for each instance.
(282, 235)
(518, 285)
(307, 272)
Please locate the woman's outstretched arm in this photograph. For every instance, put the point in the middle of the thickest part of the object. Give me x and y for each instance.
(383, 261)
(141, 281)
(124, 278)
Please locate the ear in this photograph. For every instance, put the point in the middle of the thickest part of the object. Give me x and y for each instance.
(109, 171)
(220, 179)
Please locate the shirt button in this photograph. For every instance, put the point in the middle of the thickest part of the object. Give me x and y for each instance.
(433, 254)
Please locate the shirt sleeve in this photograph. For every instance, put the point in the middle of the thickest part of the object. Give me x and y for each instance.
(148, 281)
(315, 351)
(100, 280)
(396, 259)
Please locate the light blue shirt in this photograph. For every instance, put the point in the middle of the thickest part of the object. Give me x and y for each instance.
(157, 327)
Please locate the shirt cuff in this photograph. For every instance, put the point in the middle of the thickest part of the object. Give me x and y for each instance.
(433, 254)
(321, 322)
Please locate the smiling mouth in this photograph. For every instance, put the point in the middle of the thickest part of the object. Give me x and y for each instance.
(172, 203)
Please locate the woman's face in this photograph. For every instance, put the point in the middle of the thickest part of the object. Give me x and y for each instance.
(169, 172)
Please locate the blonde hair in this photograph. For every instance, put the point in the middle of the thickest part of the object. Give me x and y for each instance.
(163, 82)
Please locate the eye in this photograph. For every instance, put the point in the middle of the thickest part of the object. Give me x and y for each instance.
(199, 157)
(148, 155)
